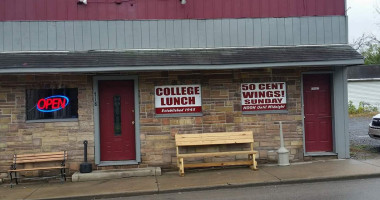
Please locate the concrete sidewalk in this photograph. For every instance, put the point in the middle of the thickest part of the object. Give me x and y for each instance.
(196, 180)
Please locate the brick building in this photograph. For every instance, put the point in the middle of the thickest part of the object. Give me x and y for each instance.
(129, 75)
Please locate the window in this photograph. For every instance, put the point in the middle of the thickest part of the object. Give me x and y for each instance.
(117, 115)
(42, 104)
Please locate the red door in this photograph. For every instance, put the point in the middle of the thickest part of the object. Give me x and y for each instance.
(317, 110)
(117, 130)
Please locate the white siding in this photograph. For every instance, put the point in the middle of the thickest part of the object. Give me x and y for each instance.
(167, 34)
(366, 91)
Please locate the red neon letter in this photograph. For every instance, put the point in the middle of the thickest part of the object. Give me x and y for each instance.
(39, 104)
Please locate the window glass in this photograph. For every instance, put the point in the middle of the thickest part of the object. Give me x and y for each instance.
(51, 103)
(117, 115)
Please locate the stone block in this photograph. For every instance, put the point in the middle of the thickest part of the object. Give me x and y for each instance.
(158, 137)
(163, 145)
(3, 97)
(3, 175)
(296, 143)
(269, 144)
(293, 151)
(184, 121)
(4, 128)
(150, 128)
(165, 121)
(224, 109)
(174, 121)
(5, 120)
(5, 111)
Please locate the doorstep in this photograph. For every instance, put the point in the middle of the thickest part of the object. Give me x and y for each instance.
(115, 174)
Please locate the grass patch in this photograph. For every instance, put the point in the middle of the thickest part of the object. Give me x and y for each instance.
(363, 110)
(364, 151)
(368, 114)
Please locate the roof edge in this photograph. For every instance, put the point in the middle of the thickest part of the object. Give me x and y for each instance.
(179, 67)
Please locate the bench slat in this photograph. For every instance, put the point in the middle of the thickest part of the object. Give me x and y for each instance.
(43, 156)
(218, 164)
(196, 139)
(40, 154)
(38, 168)
(223, 134)
(213, 142)
(213, 154)
(36, 160)
(214, 138)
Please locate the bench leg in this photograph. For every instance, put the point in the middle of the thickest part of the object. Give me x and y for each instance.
(181, 168)
(15, 177)
(63, 174)
(10, 175)
(254, 163)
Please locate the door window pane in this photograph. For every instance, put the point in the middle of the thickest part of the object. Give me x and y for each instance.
(117, 115)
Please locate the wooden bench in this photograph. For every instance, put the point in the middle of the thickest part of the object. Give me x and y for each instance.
(226, 138)
(43, 160)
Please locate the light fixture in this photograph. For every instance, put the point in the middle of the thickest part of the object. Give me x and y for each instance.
(183, 2)
(82, 1)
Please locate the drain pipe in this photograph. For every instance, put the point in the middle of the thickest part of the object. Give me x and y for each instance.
(283, 153)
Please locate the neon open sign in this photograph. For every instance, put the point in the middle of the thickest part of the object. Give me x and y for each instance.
(52, 103)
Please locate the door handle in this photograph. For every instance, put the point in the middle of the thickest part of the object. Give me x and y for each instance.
(133, 122)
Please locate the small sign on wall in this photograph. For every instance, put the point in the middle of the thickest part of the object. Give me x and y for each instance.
(263, 96)
(178, 99)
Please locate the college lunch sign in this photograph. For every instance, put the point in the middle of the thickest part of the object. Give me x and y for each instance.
(263, 96)
(178, 99)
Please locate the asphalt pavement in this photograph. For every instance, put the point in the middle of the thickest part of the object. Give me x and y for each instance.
(335, 190)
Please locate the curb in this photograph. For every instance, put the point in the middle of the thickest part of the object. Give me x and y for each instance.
(113, 174)
(190, 189)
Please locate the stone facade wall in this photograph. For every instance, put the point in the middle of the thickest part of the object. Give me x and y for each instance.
(221, 105)
(19, 136)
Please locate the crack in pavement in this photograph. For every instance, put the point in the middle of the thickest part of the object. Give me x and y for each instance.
(39, 187)
(157, 183)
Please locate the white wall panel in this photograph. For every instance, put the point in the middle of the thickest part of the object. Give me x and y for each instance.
(42, 36)
(33, 27)
(153, 34)
(2, 36)
(364, 91)
(202, 40)
(8, 36)
(52, 35)
(249, 32)
(16, 30)
(25, 36)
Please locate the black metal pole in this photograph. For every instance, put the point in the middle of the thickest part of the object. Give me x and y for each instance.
(85, 167)
(85, 150)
